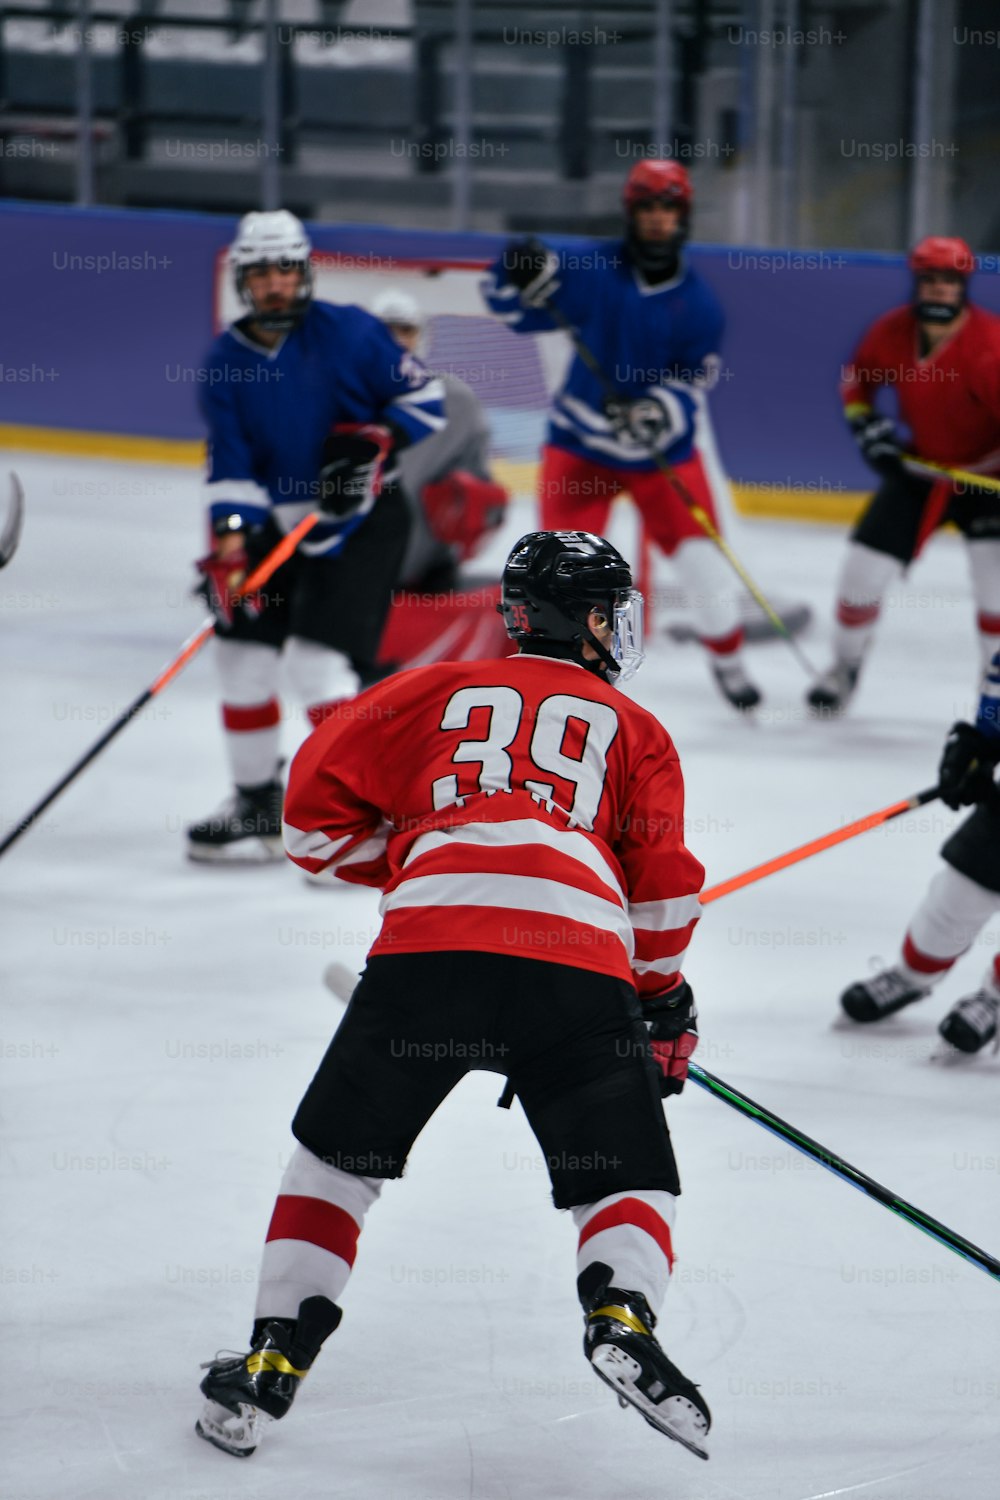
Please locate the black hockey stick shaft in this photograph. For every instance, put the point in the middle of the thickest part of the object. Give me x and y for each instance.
(190, 648)
(704, 520)
(833, 1163)
(843, 1169)
(10, 534)
(113, 729)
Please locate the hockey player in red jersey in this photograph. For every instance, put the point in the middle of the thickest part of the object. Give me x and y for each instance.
(654, 327)
(940, 355)
(961, 898)
(525, 824)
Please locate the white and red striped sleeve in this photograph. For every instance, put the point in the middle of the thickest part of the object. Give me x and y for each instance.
(662, 875)
(330, 828)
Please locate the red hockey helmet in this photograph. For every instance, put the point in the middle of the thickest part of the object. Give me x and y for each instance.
(657, 179)
(939, 253)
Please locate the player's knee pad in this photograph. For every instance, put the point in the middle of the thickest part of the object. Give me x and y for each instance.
(248, 672)
(866, 575)
(952, 913)
(318, 675)
(984, 565)
(710, 588)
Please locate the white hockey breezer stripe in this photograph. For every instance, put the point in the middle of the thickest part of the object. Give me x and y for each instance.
(372, 848)
(665, 916)
(238, 492)
(311, 844)
(659, 965)
(515, 834)
(415, 402)
(513, 893)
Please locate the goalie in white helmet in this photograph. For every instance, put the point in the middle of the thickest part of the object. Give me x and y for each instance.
(306, 405)
(455, 503)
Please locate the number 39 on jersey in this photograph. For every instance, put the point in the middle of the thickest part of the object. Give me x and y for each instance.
(558, 751)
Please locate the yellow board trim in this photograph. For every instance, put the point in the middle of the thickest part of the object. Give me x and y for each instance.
(621, 1315)
(771, 502)
(270, 1359)
(120, 445)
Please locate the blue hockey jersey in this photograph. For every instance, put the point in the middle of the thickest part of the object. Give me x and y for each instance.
(270, 410)
(988, 717)
(660, 341)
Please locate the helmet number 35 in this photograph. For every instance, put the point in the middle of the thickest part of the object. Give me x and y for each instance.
(570, 740)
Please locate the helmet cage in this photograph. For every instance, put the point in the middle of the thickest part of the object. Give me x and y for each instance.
(551, 583)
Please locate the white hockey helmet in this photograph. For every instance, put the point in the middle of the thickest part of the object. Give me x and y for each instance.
(272, 239)
(399, 307)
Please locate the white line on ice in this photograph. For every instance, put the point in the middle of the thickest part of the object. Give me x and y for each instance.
(866, 1484)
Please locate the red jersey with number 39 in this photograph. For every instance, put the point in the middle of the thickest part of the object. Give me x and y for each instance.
(520, 806)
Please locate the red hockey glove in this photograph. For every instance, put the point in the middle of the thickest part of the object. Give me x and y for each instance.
(224, 570)
(351, 477)
(462, 509)
(672, 1020)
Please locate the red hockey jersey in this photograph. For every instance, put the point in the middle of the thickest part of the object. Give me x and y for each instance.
(950, 399)
(520, 806)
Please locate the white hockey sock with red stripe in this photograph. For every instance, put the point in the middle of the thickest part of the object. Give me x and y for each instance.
(631, 1233)
(319, 676)
(313, 1235)
(984, 565)
(713, 596)
(950, 916)
(864, 579)
(251, 713)
(991, 979)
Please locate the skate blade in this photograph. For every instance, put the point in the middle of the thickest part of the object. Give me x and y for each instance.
(676, 1417)
(236, 1433)
(252, 851)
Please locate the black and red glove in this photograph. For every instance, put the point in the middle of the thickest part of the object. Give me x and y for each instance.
(236, 551)
(876, 436)
(533, 268)
(350, 479)
(672, 1021)
(968, 767)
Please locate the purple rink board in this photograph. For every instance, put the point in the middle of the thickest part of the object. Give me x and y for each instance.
(110, 305)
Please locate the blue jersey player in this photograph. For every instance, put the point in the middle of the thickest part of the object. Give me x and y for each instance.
(306, 403)
(961, 898)
(655, 330)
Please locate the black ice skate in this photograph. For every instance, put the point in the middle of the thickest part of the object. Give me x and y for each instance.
(735, 686)
(245, 830)
(874, 999)
(618, 1340)
(832, 692)
(247, 1391)
(972, 1023)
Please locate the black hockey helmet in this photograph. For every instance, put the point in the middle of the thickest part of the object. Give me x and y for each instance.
(551, 582)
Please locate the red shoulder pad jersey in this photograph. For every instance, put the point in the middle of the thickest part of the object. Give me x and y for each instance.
(950, 400)
(519, 806)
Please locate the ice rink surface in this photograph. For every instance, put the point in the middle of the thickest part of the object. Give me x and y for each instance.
(162, 1020)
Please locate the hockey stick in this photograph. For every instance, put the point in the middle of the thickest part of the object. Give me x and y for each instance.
(255, 580)
(342, 982)
(700, 514)
(816, 846)
(960, 476)
(11, 533)
(836, 1164)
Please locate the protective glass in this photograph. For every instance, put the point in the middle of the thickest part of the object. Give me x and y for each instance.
(627, 638)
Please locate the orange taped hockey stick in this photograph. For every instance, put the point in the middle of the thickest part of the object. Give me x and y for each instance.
(255, 580)
(816, 846)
